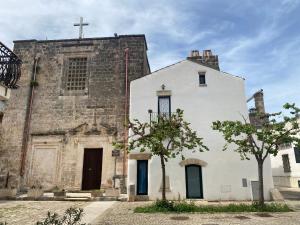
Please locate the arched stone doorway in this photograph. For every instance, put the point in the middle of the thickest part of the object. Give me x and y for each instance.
(193, 177)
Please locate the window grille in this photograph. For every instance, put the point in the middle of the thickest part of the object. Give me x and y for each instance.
(286, 163)
(76, 74)
(164, 106)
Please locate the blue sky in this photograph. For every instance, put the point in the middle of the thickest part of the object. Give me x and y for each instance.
(259, 40)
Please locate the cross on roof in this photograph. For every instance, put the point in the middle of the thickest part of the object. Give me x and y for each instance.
(81, 24)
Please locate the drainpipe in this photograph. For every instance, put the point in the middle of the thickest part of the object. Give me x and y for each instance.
(28, 117)
(125, 114)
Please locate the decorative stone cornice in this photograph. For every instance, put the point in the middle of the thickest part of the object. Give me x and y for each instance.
(140, 156)
(164, 93)
(193, 161)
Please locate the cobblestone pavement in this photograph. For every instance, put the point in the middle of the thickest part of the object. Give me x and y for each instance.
(29, 212)
(122, 214)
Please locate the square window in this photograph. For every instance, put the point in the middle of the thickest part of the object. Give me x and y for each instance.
(202, 80)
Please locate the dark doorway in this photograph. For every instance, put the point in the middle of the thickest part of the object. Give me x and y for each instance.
(92, 168)
(193, 177)
(142, 177)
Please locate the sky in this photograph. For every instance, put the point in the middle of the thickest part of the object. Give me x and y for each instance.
(258, 40)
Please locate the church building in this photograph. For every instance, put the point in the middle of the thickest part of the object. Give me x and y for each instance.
(60, 124)
(206, 94)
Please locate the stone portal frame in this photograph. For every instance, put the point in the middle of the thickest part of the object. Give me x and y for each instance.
(93, 141)
(193, 161)
(140, 156)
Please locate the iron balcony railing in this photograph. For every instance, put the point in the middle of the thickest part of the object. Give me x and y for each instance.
(155, 116)
(10, 67)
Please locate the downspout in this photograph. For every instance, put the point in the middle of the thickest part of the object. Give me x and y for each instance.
(125, 114)
(28, 117)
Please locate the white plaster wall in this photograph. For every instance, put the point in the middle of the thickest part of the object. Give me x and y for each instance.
(222, 99)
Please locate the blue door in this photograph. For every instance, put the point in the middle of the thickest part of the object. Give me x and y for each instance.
(142, 177)
(193, 176)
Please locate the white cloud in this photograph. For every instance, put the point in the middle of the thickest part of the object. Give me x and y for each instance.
(252, 39)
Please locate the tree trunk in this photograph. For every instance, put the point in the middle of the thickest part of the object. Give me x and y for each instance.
(163, 169)
(261, 182)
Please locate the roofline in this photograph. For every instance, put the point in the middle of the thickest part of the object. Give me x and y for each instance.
(203, 64)
(163, 68)
(243, 78)
(85, 39)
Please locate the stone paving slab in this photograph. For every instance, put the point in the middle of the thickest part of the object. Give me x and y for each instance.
(29, 212)
(95, 209)
(122, 214)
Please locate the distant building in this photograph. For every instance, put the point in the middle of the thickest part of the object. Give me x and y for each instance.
(286, 166)
(197, 86)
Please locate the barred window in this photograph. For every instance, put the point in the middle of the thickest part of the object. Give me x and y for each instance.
(286, 163)
(76, 74)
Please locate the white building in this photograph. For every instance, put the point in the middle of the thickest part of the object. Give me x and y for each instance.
(4, 96)
(206, 95)
(286, 167)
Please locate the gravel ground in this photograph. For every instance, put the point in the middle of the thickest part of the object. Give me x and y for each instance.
(122, 214)
(29, 212)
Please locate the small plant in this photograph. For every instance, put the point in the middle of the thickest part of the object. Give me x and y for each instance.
(72, 216)
(1, 223)
(34, 83)
(185, 207)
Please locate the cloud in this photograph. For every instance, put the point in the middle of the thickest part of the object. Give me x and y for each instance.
(256, 39)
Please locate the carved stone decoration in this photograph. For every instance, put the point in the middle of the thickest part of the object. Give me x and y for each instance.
(193, 161)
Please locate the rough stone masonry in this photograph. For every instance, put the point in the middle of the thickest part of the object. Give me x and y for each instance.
(71, 98)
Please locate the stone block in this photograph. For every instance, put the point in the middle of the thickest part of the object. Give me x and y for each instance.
(35, 193)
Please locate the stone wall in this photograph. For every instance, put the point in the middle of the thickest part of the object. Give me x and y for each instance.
(66, 119)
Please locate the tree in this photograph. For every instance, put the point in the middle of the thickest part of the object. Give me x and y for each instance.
(166, 137)
(264, 140)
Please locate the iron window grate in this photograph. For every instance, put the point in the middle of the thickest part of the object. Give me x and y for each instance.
(76, 74)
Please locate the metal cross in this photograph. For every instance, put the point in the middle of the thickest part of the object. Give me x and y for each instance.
(81, 24)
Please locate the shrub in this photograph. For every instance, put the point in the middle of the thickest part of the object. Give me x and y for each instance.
(72, 216)
(183, 207)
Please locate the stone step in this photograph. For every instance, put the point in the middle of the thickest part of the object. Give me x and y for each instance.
(77, 199)
(107, 198)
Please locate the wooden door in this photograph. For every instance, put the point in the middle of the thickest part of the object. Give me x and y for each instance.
(193, 176)
(92, 169)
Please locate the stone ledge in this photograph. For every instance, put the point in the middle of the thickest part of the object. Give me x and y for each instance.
(193, 161)
(140, 156)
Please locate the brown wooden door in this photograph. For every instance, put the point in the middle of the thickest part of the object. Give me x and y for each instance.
(92, 168)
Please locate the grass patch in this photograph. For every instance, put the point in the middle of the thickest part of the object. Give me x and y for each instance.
(186, 207)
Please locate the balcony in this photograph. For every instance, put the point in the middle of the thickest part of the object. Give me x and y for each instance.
(155, 116)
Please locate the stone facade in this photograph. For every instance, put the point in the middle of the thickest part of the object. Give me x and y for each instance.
(62, 122)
